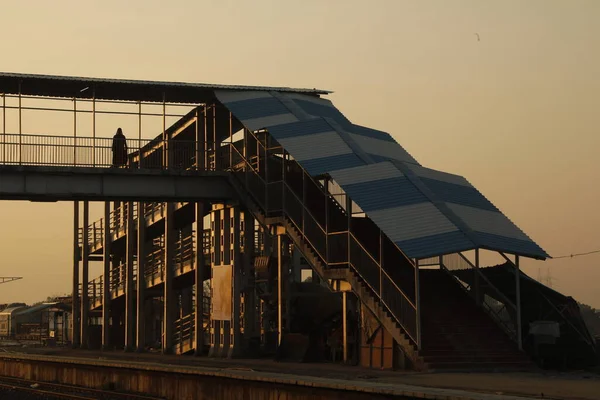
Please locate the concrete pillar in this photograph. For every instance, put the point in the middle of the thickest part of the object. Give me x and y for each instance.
(129, 283)
(106, 300)
(141, 280)
(199, 273)
(75, 334)
(168, 295)
(85, 307)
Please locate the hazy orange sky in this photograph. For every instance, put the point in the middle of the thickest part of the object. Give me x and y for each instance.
(516, 112)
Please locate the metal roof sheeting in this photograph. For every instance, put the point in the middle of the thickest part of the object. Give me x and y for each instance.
(424, 211)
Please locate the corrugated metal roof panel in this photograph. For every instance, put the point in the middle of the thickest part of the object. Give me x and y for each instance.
(257, 108)
(383, 148)
(510, 245)
(434, 245)
(323, 110)
(372, 133)
(486, 221)
(265, 122)
(412, 222)
(398, 192)
(320, 166)
(366, 173)
(319, 145)
(309, 127)
(459, 194)
(429, 173)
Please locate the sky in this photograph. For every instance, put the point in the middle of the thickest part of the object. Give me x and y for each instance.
(515, 112)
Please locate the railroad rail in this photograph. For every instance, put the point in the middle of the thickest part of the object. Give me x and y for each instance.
(60, 391)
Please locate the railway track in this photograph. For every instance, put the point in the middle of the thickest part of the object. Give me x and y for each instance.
(44, 390)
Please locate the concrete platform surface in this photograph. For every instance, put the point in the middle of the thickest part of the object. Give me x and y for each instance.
(443, 385)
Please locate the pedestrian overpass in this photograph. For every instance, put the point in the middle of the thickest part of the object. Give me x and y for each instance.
(277, 170)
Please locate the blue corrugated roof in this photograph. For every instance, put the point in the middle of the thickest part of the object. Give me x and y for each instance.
(432, 212)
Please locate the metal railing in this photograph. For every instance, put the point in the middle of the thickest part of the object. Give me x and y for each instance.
(316, 236)
(76, 151)
(184, 331)
(495, 303)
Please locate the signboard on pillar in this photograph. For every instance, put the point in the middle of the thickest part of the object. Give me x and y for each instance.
(222, 293)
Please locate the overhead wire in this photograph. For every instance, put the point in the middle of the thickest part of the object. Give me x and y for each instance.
(576, 254)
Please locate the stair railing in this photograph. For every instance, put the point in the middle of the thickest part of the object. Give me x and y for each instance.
(377, 280)
(495, 303)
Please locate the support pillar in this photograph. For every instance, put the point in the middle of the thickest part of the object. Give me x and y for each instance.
(199, 279)
(85, 277)
(129, 284)
(250, 318)
(216, 255)
(280, 278)
(418, 303)
(345, 325)
(518, 300)
(168, 295)
(235, 345)
(106, 300)
(75, 330)
(478, 294)
(141, 280)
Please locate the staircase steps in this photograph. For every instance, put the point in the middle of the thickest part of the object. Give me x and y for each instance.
(457, 334)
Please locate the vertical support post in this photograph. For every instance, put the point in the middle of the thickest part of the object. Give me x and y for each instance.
(4, 127)
(129, 288)
(249, 293)
(279, 290)
(326, 185)
(140, 153)
(235, 260)
(381, 262)
(75, 336)
(167, 342)
(74, 131)
(230, 140)
(345, 324)
(518, 299)
(418, 298)
(85, 276)
(164, 134)
(94, 128)
(476, 279)
(349, 215)
(20, 127)
(106, 300)
(199, 273)
(141, 278)
(200, 143)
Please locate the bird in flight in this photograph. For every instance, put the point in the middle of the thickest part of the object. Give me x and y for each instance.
(477, 34)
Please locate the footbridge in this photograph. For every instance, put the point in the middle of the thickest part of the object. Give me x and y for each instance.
(220, 209)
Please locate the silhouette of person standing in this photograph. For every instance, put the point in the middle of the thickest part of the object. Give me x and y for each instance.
(119, 149)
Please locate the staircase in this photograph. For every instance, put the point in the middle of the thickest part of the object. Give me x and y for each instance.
(457, 334)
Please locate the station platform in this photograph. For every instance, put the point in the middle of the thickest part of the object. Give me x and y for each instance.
(397, 384)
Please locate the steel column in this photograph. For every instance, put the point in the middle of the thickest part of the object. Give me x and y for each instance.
(129, 284)
(248, 287)
(199, 278)
(85, 276)
(237, 269)
(168, 298)
(279, 289)
(141, 279)
(518, 300)
(345, 324)
(75, 334)
(418, 299)
(106, 300)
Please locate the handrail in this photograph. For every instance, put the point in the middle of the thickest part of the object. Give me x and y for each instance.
(306, 212)
(382, 270)
(495, 314)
